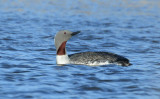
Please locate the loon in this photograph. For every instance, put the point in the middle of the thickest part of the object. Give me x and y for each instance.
(84, 58)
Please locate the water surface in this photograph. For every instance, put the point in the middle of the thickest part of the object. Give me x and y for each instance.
(28, 67)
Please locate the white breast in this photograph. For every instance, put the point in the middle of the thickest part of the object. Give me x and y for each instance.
(62, 59)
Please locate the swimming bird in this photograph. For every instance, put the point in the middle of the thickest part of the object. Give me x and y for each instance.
(84, 58)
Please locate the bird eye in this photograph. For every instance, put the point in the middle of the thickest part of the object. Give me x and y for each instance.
(64, 32)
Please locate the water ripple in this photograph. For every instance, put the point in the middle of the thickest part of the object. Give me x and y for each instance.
(28, 56)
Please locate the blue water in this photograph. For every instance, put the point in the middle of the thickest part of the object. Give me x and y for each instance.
(28, 67)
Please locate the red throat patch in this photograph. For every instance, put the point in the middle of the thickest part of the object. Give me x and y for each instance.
(61, 50)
